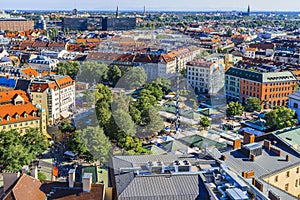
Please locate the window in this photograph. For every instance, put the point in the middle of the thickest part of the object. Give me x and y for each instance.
(286, 187)
(295, 105)
(276, 178)
(288, 174)
(297, 170)
(8, 118)
(296, 183)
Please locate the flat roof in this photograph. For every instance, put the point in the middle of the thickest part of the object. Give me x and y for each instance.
(264, 165)
(291, 137)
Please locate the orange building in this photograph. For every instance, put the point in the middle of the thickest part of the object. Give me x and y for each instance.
(16, 24)
(18, 112)
(271, 88)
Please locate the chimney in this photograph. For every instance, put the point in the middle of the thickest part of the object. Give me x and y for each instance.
(71, 178)
(287, 158)
(9, 178)
(252, 157)
(248, 138)
(25, 169)
(34, 172)
(87, 182)
(237, 144)
(267, 144)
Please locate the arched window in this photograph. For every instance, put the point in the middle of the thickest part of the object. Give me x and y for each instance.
(25, 115)
(34, 114)
(8, 118)
(17, 116)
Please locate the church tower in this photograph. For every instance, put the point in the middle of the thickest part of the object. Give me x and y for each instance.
(117, 12)
(248, 11)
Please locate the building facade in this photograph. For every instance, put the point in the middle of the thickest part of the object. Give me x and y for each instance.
(271, 88)
(294, 103)
(18, 112)
(205, 76)
(16, 24)
(56, 94)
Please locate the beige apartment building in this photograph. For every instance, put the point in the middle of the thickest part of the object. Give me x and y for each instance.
(287, 179)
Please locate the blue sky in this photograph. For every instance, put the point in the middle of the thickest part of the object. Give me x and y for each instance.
(270, 5)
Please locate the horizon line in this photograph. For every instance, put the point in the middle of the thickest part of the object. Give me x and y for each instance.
(155, 10)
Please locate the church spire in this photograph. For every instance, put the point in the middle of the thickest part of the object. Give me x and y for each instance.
(117, 12)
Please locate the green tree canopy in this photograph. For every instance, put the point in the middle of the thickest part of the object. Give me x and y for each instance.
(114, 74)
(280, 117)
(204, 122)
(253, 104)
(18, 150)
(93, 72)
(234, 108)
(103, 94)
(124, 122)
(96, 142)
(134, 78)
(70, 68)
(66, 126)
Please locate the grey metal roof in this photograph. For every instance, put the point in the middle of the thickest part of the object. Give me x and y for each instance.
(261, 77)
(263, 165)
(179, 187)
(156, 186)
(246, 74)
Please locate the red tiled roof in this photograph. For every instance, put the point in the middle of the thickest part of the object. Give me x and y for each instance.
(30, 72)
(56, 44)
(26, 188)
(64, 82)
(10, 95)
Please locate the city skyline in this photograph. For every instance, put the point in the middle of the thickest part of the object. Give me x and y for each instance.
(190, 5)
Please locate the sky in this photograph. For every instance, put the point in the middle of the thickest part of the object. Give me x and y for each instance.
(192, 5)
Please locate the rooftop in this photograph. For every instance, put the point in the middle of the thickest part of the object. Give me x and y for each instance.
(264, 164)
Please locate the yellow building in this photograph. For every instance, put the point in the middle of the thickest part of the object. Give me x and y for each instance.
(287, 179)
(17, 112)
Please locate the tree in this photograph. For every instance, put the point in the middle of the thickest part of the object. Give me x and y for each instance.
(135, 114)
(70, 68)
(253, 104)
(34, 141)
(234, 108)
(103, 113)
(132, 146)
(96, 142)
(90, 98)
(42, 176)
(124, 122)
(103, 94)
(155, 122)
(18, 150)
(280, 117)
(204, 122)
(66, 126)
(93, 72)
(114, 74)
(155, 90)
(134, 78)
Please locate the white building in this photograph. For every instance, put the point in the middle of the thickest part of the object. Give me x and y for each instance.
(56, 94)
(206, 75)
(294, 103)
(250, 52)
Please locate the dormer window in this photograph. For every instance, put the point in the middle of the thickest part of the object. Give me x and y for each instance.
(0, 119)
(17, 116)
(25, 115)
(8, 118)
(34, 114)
